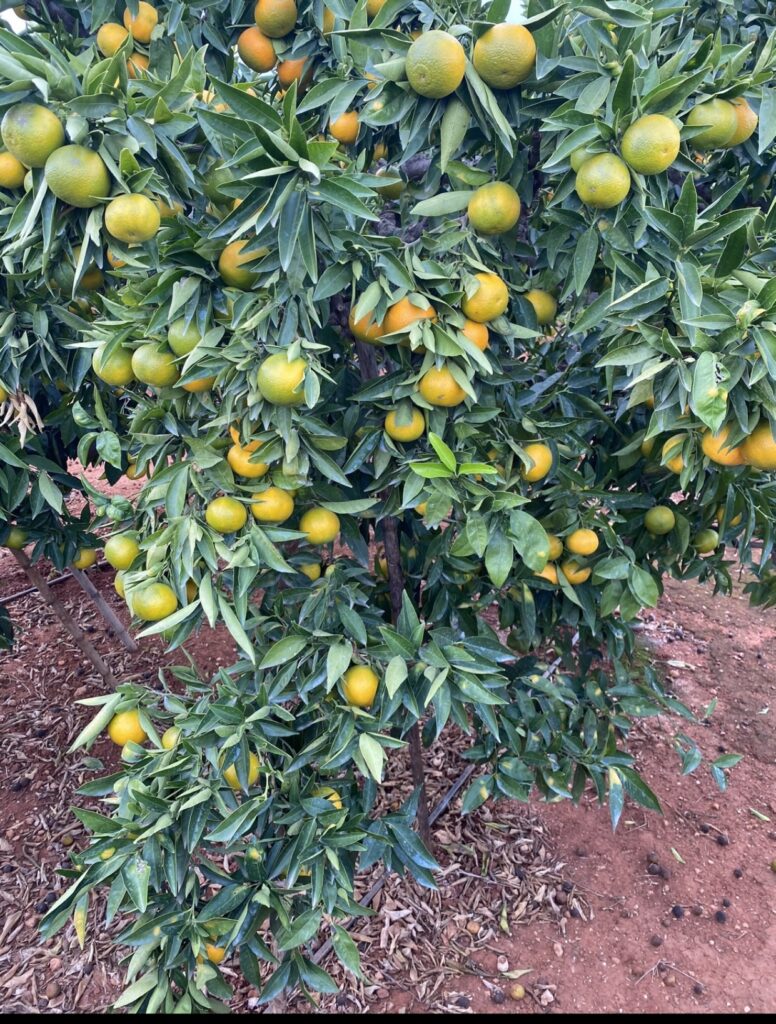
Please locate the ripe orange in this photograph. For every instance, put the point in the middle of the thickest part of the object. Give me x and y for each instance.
(477, 334)
(541, 455)
(720, 121)
(226, 515)
(365, 329)
(320, 525)
(720, 516)
(544, 305)
(154, 364)
(12, 171)
(78, 176)
(274, 505)
(504, 56)
(256, 49)
(110, 38)
(239, 458)
(125, 727)
(345, 127)
(556, 547)
(759, 449)
(31, 133)
(153, 602)
(659, 520)
(327, 793)
(603, 181)
(549, 573)
(360, 686)
(293, 70)
(230, 775)
(312, 570)
(170, 737)
(199, 385)
(651, 144)
(280, 381)
(436, 64)
(494, 208)
(673, 445)
(574, 572)
(85, 558)
(403, 314)
(489, 301)
(715, 447)
(137, 64)
(132, 218)
(746, 122)
(143, 25)
(440, 388)
(121, 550)
(116, 369)
(275, 18)
(405, 432)
(230, 265)
(582, 542)
(373, 7)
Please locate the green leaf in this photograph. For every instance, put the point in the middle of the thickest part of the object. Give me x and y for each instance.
(442, 205)
(337, 661)
(373, 754)
(446, 456)
(455, 123)
(499, 556)
(346, 950)
(395, 675)
(584, 258)
(283, 651)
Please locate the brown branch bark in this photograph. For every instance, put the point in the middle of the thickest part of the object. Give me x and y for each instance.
(82, 642)
(105, 610)
(367, 361)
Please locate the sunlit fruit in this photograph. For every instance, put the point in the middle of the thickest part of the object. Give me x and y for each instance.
(226, 515)
(759, 449)
(132, 218)
(256, 49)
(504, 55)
(114, 368)
(125, 727)
(541, 458)
(231, 264)
(154, 364)
(327, 793)
(154, 601)
(715, 447)
(603, 181)
(345, 128)
(405, 427)
(659, 520)
(170, 737)
(719, 121)
(574, 572)
(439, 387)
(436, 63)
(280, 381)
(239, 458)
(85, 558)
(121, 550)
(494, 208)
(489, 300)
(359, 685)
(78, 176)
(230, 773)
(321, 525)
(478, 334)
(403, 314)
(274, 505)
(582, 542)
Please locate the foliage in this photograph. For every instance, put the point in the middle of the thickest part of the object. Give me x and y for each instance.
(665, 327)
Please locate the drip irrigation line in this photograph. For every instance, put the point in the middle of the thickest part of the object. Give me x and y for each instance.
(437, 812)
(33, 590)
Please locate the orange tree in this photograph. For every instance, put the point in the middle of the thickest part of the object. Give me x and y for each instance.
(437, 335)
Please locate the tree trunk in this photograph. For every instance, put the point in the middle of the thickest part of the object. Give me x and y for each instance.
(368, 365)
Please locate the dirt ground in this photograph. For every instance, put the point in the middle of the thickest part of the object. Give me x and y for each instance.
(679, 910)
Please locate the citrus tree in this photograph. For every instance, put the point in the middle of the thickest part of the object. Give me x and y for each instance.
(436, 335)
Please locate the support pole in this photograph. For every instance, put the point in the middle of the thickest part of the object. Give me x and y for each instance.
(81, 640)
(105, 610)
